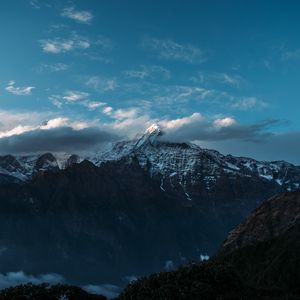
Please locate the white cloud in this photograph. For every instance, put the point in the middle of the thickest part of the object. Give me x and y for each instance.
(128, 113)
(11, 118)
(50, 124)
(224, 122)
(152, 72)
(197, 127)
(248, 103)
(57, 67)
(216, 77)
(102, 84)
(93, 105)
(16, 131)
(54, 123)
(171, 50)
(108, 110)
(73, 96)
(60, 45)
(81, 16)
(19, 91)
(176, 123)
(56, 100)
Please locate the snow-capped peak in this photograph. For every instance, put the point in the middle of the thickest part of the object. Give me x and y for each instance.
(150, 135)
(154, 128)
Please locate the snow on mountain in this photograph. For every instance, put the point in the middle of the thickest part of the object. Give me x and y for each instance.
(181, 163)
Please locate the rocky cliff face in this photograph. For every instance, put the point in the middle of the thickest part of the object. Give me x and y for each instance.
(271, 220)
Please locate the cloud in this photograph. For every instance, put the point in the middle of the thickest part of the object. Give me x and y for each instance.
(224, 122)
(276, 146)
(11, 118)
(171, 50)
(57, 67)
(93, 105)
(248, 103)
(71, 96)
(108, 110)
(122, 113)
(16, 278)
(181, 94)
(198, 127)
(210, 78)
(291, 55)
(102, 84)
(50, 124)
(61, 45)
(150, 72)
(108, 290)
(19, 91)
(56, 138)
(81, 16)
(35, 4)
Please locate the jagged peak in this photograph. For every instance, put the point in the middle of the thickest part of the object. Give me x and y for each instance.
(150, 135)
(154, 128)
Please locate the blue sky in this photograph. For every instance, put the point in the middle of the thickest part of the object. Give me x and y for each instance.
(222, 73)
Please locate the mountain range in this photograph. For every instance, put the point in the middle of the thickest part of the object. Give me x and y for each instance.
(137, 207)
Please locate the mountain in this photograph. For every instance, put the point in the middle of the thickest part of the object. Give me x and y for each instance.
(140, 206)
(265, 248)
(260, 259)
(184, 163)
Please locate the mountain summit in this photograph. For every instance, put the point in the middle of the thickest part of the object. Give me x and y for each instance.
(150, 136)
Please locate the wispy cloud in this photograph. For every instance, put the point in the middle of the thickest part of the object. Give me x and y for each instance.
(102, 84)
(72, 96)
(171, 50)
(211, 78)
(34, 4)
(56, 67)
(149, 72)
(19, 91)
(248, 103)
(60, 45)
(81, 16)
(68, 97)
(93, 105)
(291, 55)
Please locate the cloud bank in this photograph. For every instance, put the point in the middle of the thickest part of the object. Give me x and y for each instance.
(223, 133)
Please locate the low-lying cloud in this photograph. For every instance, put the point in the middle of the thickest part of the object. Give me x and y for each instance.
(11, 279)
(16, 278)
(56, 140)
(199, 128)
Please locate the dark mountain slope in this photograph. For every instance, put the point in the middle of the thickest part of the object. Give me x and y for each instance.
(259, 260)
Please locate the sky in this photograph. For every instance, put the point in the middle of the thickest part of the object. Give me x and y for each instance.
(223, 74)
